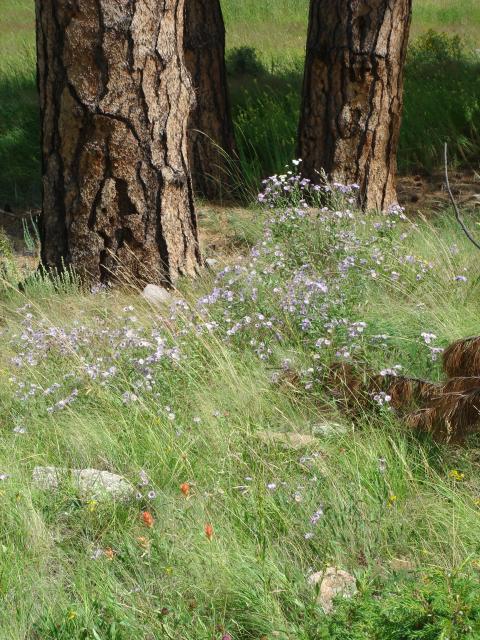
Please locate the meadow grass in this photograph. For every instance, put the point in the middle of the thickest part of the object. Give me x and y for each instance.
(181, 394)
(441, 101)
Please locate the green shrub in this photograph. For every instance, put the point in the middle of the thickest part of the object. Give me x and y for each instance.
(431, 606)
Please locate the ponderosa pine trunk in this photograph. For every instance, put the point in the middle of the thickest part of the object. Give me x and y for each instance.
(210, 130)
(353, 94)
(115, 99)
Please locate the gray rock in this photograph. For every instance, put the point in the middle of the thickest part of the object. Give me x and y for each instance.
(211, 263)
(328, 429)
(333, 582)
(290, 440)
(158, 296)
(87, 483)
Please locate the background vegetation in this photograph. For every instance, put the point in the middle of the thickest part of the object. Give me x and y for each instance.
(265, 43)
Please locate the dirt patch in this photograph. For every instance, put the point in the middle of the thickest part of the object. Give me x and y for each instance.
(428, 193)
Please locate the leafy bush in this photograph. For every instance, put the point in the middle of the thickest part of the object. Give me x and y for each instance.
(244, 60)
(428, 607)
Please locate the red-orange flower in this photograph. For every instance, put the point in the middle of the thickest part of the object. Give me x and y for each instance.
(147, 518)
(185, 488)
(209, 531)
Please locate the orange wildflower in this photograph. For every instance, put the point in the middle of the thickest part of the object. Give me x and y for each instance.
(209, 531)
(185, 488)
(109, 553)
(147, 518)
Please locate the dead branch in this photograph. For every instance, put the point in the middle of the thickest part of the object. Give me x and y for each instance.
(455, 207)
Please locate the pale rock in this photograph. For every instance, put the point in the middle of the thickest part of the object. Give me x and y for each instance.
(333, 583)
(211, 263)
(157, 296)
(289, 440)
(87, 483)
(402, 564)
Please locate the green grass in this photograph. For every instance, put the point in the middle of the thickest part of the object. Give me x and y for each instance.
(439, 106)
(250, 580)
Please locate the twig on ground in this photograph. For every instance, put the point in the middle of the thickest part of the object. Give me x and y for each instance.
(455, 206)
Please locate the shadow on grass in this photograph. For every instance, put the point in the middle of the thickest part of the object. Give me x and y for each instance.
(19, 142)
(442, 104)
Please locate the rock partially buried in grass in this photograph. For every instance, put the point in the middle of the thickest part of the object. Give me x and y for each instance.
(87, 483)
(211, 263)
(289, 440)
(157, 296)
(333, 583)
(402, 564)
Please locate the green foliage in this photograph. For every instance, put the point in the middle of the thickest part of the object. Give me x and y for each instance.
(427, 607)
(265, 59)
(442, 103)
(195, 418)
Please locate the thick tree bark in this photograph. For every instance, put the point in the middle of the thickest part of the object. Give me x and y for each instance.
(115, 100)
(210, 128)
(353, 94)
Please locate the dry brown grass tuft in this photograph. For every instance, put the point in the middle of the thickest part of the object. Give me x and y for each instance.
(449, 411)
(405, 392)
(462, 358)
(452, 416)
(346, 382)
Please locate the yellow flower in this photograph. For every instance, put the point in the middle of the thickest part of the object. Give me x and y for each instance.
(392, 500)
(456, 475)
(71, 615)
(92, 505)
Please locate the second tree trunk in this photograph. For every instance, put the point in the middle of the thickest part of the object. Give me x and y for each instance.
(210, 135)
(353, 94)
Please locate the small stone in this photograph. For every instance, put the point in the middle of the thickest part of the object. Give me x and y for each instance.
(328, 429)
(333, 582)
(211, 263)
(402, 564)
(87, 483)
(289, 440)
(158, 296)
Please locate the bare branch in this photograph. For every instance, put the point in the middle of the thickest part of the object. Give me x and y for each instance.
(455, 206)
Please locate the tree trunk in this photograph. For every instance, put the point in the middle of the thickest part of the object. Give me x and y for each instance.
(115, 100)
(353, 94)
(210, 127)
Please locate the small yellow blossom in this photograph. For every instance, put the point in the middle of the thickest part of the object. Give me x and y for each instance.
(71, 615)
(392, 499)
(92, 505)
(456, 475)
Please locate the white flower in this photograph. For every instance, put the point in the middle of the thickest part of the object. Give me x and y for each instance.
(19, 429)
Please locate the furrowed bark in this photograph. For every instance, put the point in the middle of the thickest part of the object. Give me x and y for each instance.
(115, 99)
(210, 130)
(353, 94)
